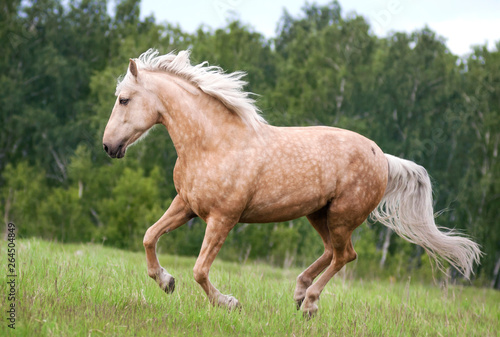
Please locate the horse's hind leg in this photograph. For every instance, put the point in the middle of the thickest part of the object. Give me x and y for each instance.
(341, 226)
(319, 221)
(177, 214)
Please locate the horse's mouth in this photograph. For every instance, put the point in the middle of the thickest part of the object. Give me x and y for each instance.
(120, 153)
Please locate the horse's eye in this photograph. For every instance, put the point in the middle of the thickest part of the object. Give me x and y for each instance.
(124, 101)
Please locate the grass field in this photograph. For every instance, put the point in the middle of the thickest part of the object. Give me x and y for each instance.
(90, 290)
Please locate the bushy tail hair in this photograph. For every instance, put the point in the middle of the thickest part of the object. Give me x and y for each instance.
(406, 208)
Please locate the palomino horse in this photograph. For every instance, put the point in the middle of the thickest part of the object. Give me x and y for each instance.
(233, 167)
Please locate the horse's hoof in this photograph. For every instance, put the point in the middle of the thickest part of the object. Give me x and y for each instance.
(309, 314)
(235, 305)
(299, 303)
(170, 287)
(165, 281)
(230, 302)
(309, 309)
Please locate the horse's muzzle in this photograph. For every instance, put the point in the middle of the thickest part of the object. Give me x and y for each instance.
(114, 151)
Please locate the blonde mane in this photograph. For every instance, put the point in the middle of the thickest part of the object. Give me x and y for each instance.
(212, 80)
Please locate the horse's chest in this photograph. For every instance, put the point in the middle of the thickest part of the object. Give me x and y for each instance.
(207, 188)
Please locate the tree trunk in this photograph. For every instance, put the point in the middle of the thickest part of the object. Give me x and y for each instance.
(385, 247)
(7, 213)
(495, 282)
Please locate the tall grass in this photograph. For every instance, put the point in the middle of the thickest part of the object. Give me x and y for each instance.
(90, 290)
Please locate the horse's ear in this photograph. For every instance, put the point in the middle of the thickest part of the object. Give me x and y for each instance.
(132, 67)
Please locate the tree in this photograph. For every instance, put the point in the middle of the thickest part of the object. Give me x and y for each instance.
(58, 71)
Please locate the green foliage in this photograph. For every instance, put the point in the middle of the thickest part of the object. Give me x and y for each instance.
(407, 92)
(62, 216)
(24, 187)
(130, 209)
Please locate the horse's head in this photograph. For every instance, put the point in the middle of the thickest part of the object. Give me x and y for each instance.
(135, 112)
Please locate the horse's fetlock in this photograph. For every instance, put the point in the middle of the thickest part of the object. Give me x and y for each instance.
(312, 296)
(152, 273)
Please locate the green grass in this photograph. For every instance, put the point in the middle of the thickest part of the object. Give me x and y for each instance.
(90, 290)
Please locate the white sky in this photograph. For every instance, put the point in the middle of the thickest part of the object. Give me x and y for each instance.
(462, 23)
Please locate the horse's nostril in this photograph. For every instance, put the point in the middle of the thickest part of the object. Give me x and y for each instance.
(105, 147)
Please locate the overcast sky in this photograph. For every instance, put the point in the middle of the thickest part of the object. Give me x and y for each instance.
(462, 23)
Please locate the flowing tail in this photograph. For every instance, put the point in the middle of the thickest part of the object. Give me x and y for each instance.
(406, 208)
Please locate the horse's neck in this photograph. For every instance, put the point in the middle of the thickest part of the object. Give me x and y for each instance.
(196, 121)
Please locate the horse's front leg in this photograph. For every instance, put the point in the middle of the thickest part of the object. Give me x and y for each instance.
(215, 235)
(177, 214)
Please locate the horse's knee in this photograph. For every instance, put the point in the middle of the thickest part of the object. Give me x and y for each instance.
(199, 274)
(149, 240)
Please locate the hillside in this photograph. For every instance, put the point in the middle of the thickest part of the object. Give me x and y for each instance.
(91, 290)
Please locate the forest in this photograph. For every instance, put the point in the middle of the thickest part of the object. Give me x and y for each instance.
(59, 65)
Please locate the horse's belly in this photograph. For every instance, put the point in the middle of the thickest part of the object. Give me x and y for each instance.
(275, 215)
(277, 208)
